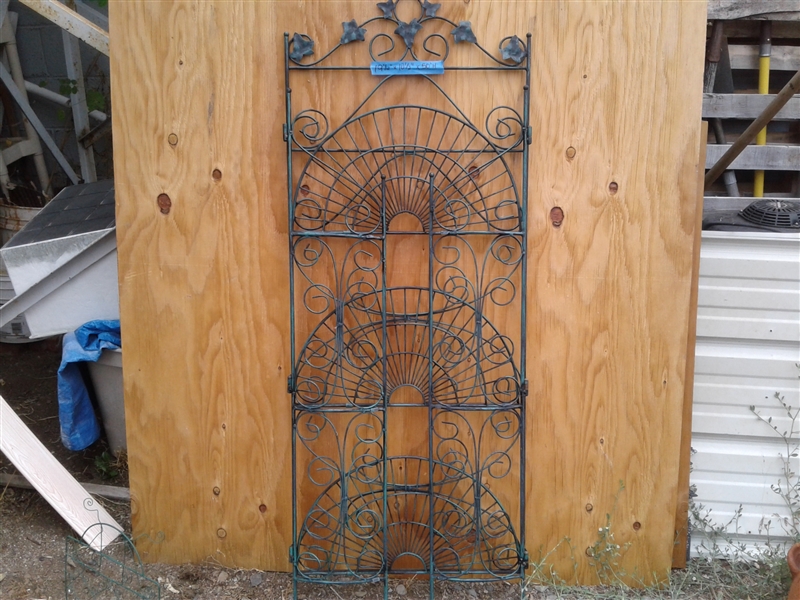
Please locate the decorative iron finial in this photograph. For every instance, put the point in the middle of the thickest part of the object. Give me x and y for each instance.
(514, 50)
(429, 9)
(388, 8)
(464, 33)
(352, 32)
(302, 45)
(407, 31)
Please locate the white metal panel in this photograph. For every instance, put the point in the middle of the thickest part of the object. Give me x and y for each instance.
(29, 264)
(741, 324)
(748, 348)
(92, 294)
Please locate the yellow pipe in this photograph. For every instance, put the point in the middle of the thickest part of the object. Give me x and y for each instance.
(763, 88)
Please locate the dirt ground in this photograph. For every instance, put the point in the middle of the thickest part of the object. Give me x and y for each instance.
(33, 536)
(38, 562)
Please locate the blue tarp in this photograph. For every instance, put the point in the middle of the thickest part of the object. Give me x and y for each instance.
(79, 425)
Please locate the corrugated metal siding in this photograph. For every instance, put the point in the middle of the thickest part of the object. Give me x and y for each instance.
(748, 348)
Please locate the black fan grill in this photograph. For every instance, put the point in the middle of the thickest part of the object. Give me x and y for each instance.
(773, 212)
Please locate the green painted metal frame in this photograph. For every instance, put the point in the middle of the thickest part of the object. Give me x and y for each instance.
(355, 178)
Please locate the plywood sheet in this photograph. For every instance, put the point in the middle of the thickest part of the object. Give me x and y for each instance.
(609, 290)
(203, 288)
(679, 551)
(198, 87)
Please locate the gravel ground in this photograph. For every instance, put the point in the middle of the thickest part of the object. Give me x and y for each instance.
(33, 536)
(35, 563)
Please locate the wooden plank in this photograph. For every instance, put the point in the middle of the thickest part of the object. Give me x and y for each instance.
(741, 9)
(70, 21)
(768, 158)
(746, 106)
(80, 111)
(782, 58)
(106, 491)
(751, 29)
(53, 481)
(92, 14)
(19, 149)
(608, 354)
(206, 405)
(682, 511)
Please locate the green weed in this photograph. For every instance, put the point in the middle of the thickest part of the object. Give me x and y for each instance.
(726, 568)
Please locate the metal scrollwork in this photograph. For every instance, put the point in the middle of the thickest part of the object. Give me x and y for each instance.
(340, 187)
(512, 49)
(114, 571)
(380, 489)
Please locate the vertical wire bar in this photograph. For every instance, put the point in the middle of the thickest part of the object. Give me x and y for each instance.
(430, 387)
(293, 376)
(523, 553)
(384, 463)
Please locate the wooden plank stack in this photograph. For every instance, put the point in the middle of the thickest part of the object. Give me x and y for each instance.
(780, 157)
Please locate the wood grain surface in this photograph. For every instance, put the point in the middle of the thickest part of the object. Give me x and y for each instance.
(609, 290)
(204, 287)
(198, 87)
(746, 106)
(782, 58)
(740, 9)
(680, 549)
(773, 157)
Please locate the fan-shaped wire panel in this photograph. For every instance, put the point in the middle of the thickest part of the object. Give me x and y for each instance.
(397, 483)
(456, 520)
(348, 357)
(385, 160)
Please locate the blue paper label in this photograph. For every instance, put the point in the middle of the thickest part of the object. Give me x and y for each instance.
(407, 67)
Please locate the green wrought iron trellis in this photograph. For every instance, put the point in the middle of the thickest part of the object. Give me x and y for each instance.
(362, 509)
(114, 573)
